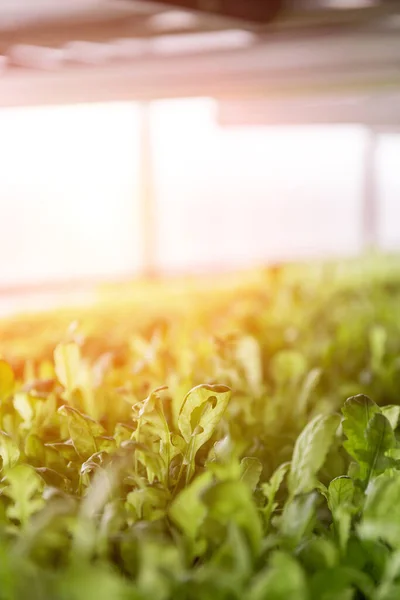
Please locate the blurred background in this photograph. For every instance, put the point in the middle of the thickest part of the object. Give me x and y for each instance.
(147, 139)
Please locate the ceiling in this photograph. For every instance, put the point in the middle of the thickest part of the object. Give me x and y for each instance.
(63, 51)
(24, 21)
(23, 13)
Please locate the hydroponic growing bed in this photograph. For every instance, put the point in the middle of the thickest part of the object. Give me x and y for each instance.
(225, 441)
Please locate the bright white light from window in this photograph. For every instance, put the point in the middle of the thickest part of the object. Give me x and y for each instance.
(68, 193)
(389, 190)
(235, 197)
(69, 196)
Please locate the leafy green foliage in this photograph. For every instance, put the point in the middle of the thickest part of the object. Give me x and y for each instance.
(6, 380)
(201, 411)
(23, 488)
(310, 452)
(370, 437)
(201, 453)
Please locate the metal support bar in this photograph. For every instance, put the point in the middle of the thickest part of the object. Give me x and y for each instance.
(371, 192)
(147, 193)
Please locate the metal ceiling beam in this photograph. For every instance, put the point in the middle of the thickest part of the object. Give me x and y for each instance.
(253, 11)
(116, 19)
(299, 65)
(112, 20)
(124, 84)
(377, 109)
